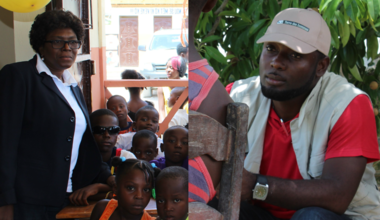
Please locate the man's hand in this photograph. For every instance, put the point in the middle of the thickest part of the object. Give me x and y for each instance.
(6, 212)
(247, 185)
(80, 196)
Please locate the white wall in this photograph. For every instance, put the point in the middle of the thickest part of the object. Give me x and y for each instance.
(145, 22)
(7, 53)
(22, 25)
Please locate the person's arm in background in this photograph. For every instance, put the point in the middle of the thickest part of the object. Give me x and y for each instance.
(96, 191)
(103, 183)
(161, 103)
(12, 96)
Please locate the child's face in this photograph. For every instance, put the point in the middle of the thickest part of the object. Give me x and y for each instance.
(105, 141)
(134, 192)
(147, 120)
(172, 99)
(176, 145)
(119, 107)
(171, 199)
(144, 149)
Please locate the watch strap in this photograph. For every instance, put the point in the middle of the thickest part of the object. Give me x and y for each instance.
(261, 179)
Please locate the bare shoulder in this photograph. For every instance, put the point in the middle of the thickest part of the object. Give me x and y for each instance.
(99, 209)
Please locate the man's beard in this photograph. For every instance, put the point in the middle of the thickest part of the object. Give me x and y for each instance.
(272, 93)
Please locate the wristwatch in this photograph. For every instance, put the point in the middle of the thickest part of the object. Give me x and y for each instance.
(260, 191)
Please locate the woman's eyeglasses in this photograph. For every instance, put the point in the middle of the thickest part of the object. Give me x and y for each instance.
(101, 130)
(59, 44)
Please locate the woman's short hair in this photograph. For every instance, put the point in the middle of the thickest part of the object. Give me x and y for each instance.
(51, 20)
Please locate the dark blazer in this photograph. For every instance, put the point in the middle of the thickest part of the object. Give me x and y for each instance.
(36, 133)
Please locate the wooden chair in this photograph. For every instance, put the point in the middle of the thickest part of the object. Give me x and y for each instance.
(207, 136)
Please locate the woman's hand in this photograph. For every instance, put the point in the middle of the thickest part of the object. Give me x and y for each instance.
(6, 212)
(80, 196)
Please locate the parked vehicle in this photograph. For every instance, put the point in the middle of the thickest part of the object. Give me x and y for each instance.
(163, 45)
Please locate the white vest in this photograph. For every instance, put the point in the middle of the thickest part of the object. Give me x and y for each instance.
(310, 133)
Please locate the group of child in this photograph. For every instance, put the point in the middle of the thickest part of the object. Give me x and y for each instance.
(146, 166)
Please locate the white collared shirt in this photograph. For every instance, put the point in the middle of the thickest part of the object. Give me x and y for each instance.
(80, 120)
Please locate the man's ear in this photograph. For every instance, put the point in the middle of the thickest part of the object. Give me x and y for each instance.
(322, 66)
(162, 147)
(156, 152)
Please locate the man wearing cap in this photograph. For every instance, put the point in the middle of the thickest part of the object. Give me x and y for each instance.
(312, 135)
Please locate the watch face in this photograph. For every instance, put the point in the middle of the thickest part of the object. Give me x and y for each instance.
(260, 192)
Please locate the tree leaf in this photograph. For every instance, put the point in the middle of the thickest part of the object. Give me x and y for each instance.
(372, 24)
(255, 72)
(355, 73)
(258, 47)
(330, 10)
(377, 70)
(229, 13)
(240, 25)
(215, 54)
(352, 29)
(361, 35)
(296, 4)
(334, 38)
(211, 38)
(335, 66)
(372, 46)
(245, 17)
(273, 8)
(305, 3)
(344, 29)
(349, 56)
(324, 5)
(241, 68)
(232, 5)
(285, 4)
(256, 26)
(371, 8)
(346, 3)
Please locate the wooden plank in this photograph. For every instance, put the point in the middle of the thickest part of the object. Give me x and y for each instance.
(198, 210)
(72, 211)
(165, 123)
(146, 83)
(230, 190)
(207, 136)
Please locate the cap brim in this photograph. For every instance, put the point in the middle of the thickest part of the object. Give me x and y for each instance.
(289, 41)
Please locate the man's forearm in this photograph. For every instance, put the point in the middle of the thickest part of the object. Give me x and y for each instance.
(334, 191)
(297, 194)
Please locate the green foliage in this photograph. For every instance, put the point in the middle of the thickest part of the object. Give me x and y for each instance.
(354, 26)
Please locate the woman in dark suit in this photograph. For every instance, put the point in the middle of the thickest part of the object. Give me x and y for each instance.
(47, 150)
